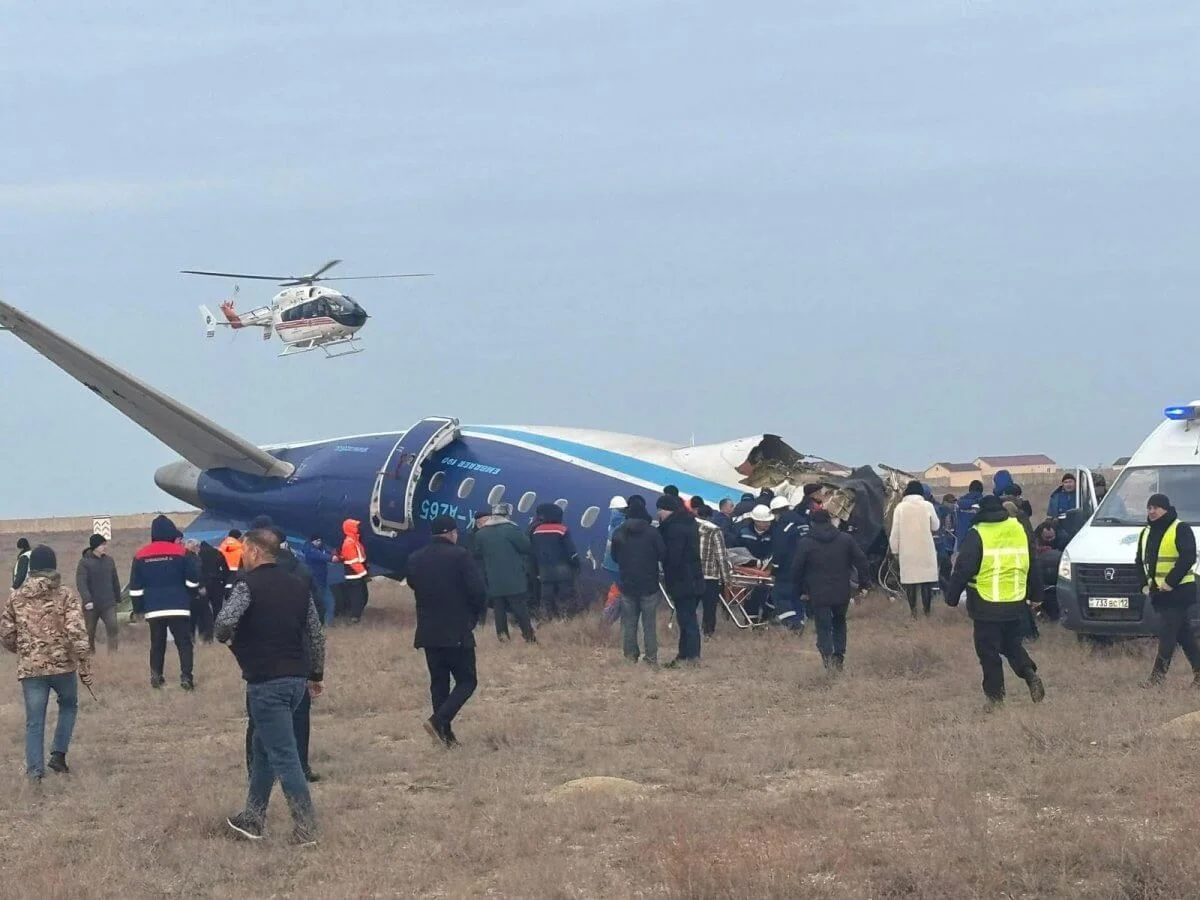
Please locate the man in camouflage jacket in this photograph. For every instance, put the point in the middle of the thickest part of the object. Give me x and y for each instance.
(43, 624)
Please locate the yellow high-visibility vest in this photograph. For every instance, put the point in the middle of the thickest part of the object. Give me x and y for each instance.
(1004, 572)
(1168, 555)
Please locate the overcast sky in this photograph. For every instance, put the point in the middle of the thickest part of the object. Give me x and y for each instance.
(888, 231)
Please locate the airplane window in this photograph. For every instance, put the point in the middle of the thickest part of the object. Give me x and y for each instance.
(436, 482)
(495, 495)
(590, 516)
(464, 489)
(561, 504)
(527, 500)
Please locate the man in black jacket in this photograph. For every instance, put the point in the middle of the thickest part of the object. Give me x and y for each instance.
(995, 567)
(450, 597)
(273, 628)
(1166, 555)
(100, 590)
(638, 550)
(556, 563)
(683, 575)
(824, 562)
(214, 575)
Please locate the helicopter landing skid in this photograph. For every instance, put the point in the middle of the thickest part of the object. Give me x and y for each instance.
(333, 349)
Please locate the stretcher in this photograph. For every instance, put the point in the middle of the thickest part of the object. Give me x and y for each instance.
(744, 581)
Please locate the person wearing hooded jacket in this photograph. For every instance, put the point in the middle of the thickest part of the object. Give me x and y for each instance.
(914, 523)
(42, 623)
(786, 533)
(639, 551)
(616, 518)
(99, 588)
(995, 569)
(21, 567)
(161, 580)
(1166, 556)
(556, 562)
(683, 576)
(965, 510)
(354, 561)
(507, 557)
(825, 562)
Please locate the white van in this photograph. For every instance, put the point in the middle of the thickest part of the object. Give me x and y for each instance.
(1099, 589)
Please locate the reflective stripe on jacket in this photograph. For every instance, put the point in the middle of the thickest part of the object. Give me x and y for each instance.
(1004, 571)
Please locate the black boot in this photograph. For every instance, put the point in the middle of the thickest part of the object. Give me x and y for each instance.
(1158, 675)
(839, 663)
(827, 661)
(58, 763)
(157, 681)
(1037, 690)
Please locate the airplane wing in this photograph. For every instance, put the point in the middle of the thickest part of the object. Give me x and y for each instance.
(201, 442)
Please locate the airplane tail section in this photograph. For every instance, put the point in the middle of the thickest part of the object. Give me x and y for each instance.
(200, 441)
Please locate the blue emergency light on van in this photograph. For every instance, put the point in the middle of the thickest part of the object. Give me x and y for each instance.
(1182, 413)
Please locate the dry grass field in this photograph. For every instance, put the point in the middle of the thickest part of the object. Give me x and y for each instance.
(757, 777)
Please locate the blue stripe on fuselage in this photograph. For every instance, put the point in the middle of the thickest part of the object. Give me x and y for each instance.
(629, 466)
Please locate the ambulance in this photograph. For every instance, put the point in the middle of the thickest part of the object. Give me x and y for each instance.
(1099, 590)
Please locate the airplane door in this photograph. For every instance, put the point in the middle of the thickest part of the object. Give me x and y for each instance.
(396, 483)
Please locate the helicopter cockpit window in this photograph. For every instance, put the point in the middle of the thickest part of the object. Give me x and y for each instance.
(320, 307)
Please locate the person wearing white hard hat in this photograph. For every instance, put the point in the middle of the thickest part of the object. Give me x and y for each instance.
(756, 534)
(789, 610)
(616, 518)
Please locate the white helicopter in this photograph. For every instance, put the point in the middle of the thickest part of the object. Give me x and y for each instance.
(305, 315)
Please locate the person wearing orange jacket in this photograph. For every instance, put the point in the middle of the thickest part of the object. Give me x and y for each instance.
(354, 561)
(231, 549)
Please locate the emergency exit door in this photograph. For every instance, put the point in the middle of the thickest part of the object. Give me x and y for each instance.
(396, 483)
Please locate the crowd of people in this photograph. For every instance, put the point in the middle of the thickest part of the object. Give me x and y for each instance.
(271, 604)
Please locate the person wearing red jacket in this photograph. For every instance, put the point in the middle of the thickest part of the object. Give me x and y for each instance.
(354, 561)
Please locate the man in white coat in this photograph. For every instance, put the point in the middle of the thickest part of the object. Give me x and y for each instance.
(914, 523)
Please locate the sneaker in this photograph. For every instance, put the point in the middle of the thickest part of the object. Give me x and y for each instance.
(245, 827)
(451, 739)
(58, 763)
(187, 684)
(1037, 690)
(157, 681)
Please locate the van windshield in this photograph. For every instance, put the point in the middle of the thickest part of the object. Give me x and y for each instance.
(1126, 501)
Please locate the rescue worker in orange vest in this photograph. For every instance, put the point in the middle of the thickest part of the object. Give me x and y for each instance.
(231, 549)
(995, 569)
(354, 560)
(1166, 555)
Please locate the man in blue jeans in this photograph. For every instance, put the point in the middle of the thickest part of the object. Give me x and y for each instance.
(274, 630)
(43, 624)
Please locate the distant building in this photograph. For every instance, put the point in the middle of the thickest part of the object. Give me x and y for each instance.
(953, 474)
(1027, 464)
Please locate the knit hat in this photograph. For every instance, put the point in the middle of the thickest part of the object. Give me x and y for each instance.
(163, 529)
(669, 502)
(636, 508)
(443, 525)
(1156, 501)
(483, 513)
(96, 540)
(42, 559)
(23, 544)
(990, 504)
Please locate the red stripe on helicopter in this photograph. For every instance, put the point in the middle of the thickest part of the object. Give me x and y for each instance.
(301, 323)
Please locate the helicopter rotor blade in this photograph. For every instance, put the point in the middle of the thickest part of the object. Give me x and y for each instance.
(234, 275)
(371, 277)
(315, 276)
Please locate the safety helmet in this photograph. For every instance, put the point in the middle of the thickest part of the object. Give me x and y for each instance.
(617, 503)
(778, 503)
(761, 513)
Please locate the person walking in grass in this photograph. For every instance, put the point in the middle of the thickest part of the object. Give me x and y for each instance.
(43, 624)
(639, 552)
(100, 590)
(275, 632)
(450, 595)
